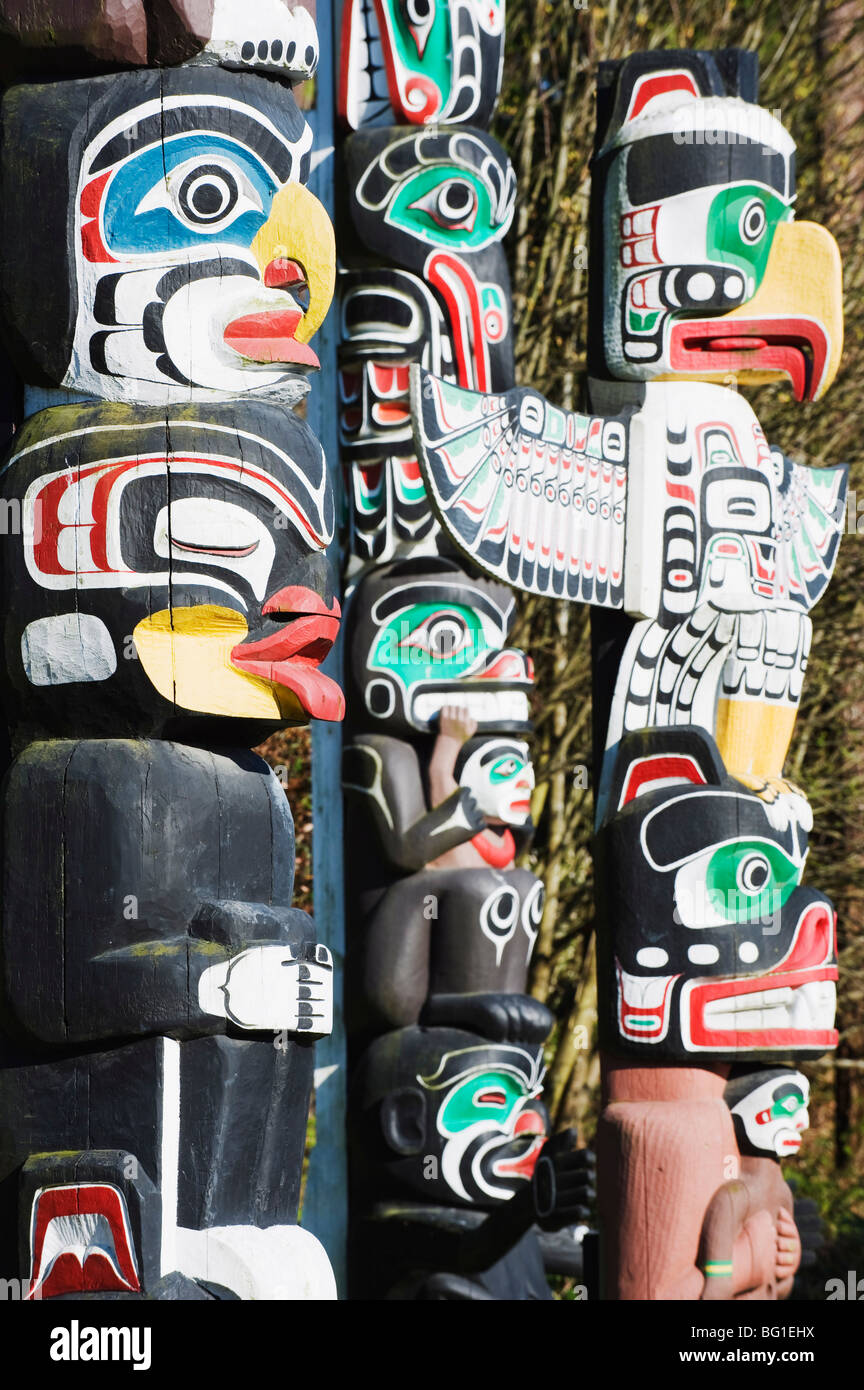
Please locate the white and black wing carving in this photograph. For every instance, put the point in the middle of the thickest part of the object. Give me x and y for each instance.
(535, 496)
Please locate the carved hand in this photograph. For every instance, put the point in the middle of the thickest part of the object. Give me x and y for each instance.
(268, 987)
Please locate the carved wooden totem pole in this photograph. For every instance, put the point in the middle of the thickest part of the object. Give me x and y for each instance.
(166, 603)
(446, 1120)
(702, 550)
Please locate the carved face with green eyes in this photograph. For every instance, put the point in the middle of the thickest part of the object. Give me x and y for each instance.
(491, 1122)
(454, 189)
(499, 774)
(769, 1109)
(706, 275)
(742, 881)
(713, 943)
(460, 1117)
(438, 203)
(425, 638)
(741, 224)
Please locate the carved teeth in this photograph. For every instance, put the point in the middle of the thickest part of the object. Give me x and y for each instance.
(486, 706)
(810, 1006)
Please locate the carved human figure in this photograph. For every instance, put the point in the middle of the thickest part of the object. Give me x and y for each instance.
(752, 1215)
(440, 906)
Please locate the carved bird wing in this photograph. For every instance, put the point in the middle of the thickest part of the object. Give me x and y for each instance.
(535, 496)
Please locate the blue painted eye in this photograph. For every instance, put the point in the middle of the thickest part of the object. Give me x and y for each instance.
(185, 193)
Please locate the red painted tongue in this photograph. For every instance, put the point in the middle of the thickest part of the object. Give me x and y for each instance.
(269, 337)
(282, 272)
(319, 696)
(290, 656)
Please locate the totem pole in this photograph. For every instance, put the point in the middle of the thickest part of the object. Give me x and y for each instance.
(702, 550)
(446, 1122)
(167, 604)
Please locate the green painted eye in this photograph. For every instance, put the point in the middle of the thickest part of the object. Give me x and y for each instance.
(490, 1096)
(445, 206)
(741, 226)
(748, 880)
(789, 1105)
(504, 769)
(430, 641)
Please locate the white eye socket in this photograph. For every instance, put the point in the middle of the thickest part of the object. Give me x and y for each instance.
(753, 221)
(445, 637)
(213, 532)
(457, 203)
(205, 196)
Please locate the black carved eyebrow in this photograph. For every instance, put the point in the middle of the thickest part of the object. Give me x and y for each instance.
(788, 1088)
(660, 166)
(240, 125)
(495, 751)
(444, 594)
(697, 822)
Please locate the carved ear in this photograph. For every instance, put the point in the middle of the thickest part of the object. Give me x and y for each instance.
(655, 89)
(665, 770)
(650, 759)
(403, 1116)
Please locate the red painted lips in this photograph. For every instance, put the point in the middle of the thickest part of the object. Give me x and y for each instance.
(269, 337)
(291, 656)
(528, 1123)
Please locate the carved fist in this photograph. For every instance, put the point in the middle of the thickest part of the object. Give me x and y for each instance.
(563, 1182)
(270, 987)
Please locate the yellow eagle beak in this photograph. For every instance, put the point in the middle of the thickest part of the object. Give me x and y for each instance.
(792, 327)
